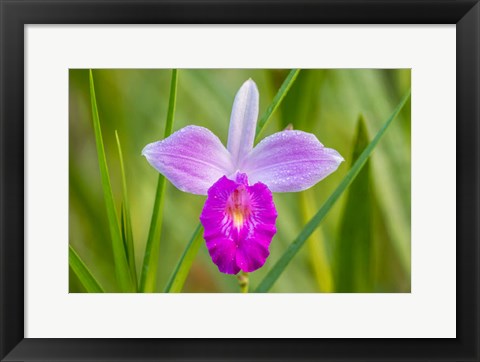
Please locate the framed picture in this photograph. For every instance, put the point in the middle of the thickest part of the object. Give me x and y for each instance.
(239, 180)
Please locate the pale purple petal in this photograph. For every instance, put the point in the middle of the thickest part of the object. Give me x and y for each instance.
(192, 159)
(290, 161)
(239, 223)
(243, 121)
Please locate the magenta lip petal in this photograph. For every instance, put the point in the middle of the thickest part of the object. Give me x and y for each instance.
(290, 161)
(192, 159)
(253, 250)
(222, 252)
(238, 242)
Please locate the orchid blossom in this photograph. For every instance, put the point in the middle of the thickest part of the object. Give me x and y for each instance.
(239, 214)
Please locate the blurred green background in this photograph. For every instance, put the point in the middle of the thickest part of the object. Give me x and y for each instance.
(363, 245)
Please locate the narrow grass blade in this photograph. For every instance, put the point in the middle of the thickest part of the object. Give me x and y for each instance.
(301, 105)
(353, 266)
(277, 100)
(148, 278)
(83, 274)
(127, 232)
(122, 271)
(292, 250)
(180, 273)
(172, 103)
(123, 229)
(177, 279)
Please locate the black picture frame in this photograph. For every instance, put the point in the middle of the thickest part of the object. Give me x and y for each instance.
(15, 14)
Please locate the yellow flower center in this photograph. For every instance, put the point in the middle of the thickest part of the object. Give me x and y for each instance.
(238, 206)
(237, 216)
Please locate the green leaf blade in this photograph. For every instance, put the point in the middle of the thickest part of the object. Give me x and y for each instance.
(122, 270)
(317, 253)
(148, 279)
(295, 246)
(354, 247)
(83, 274)
(126, 221)
(277, 100)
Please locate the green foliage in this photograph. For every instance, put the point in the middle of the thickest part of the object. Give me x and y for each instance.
(152, 251)
(317, 251)
(126, 223)
(325, 102)
(282, 92)
(293, 249)
(124, 278)
(83, 274)
(353, 250)
(180, 273)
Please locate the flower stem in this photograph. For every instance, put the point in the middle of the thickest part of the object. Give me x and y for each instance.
(243, 282)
